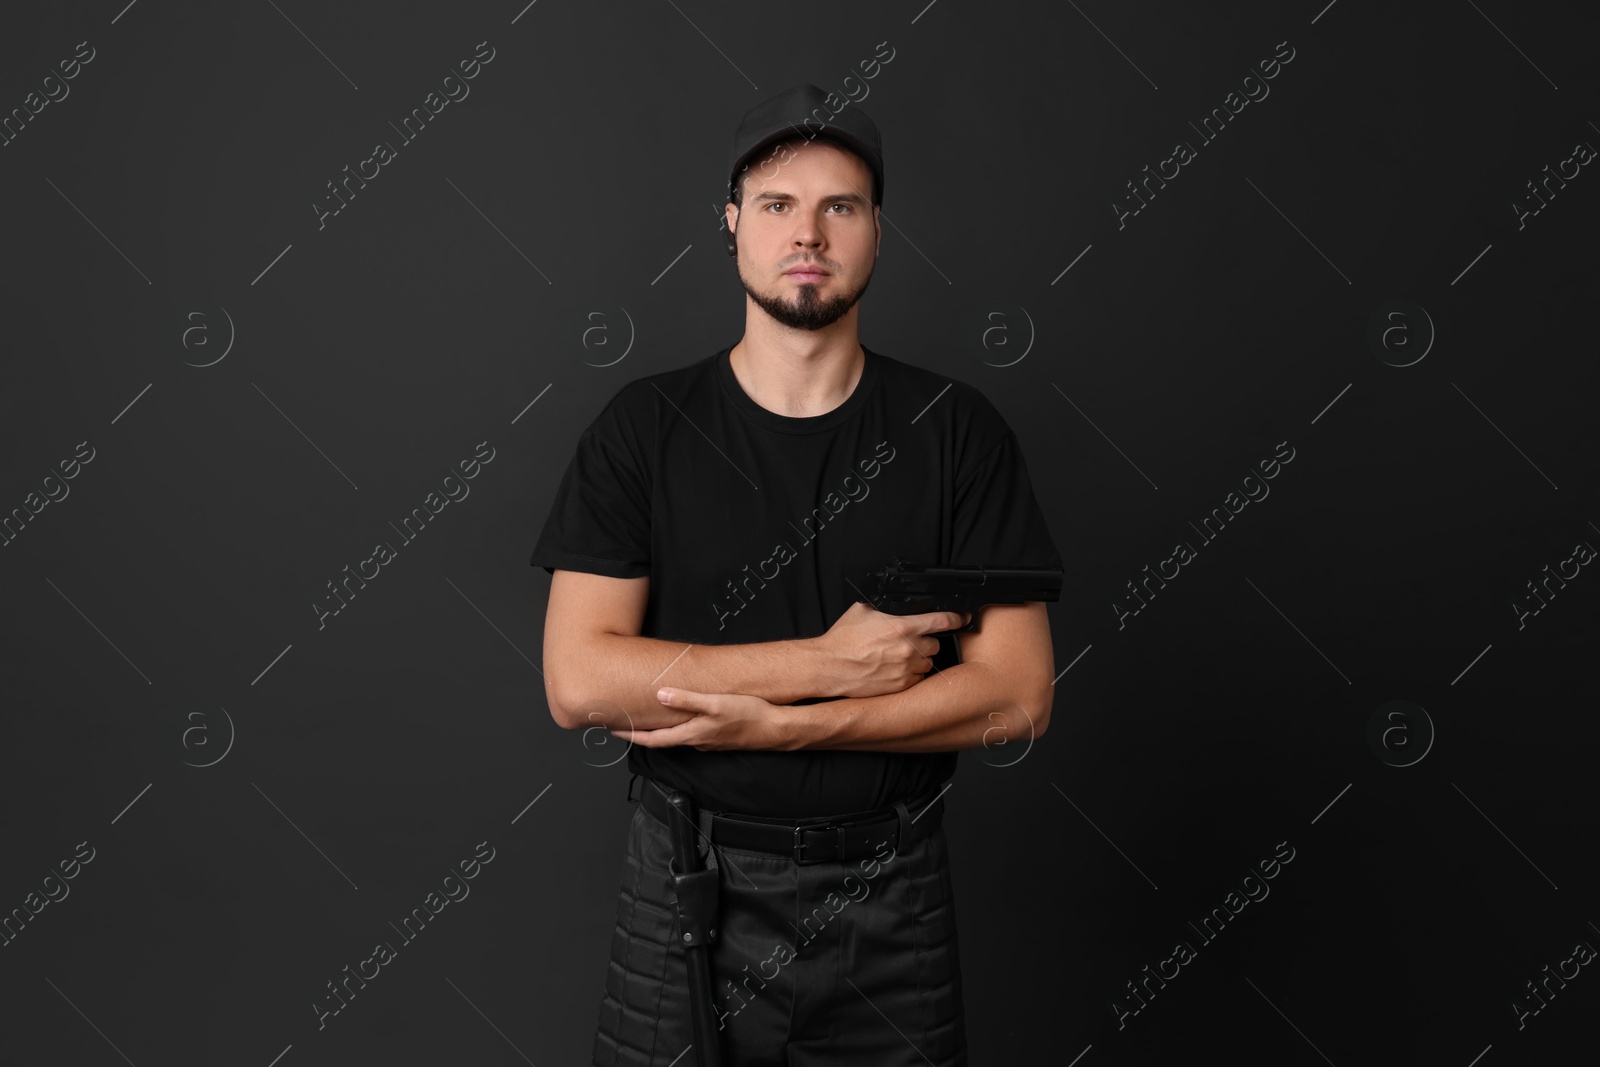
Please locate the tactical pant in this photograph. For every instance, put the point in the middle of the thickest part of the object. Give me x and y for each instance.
(850, 962)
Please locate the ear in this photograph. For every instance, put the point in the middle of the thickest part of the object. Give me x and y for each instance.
(730, 212)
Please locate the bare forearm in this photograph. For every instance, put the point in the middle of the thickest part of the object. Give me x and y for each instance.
(969, 705)
(621, 674)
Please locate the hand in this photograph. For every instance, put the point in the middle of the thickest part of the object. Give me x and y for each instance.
(718, 721)
(874, 653)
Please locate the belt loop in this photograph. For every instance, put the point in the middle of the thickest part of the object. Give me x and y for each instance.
(904, 840)
(631, 798)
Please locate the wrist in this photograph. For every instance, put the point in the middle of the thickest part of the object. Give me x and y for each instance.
(817, 678)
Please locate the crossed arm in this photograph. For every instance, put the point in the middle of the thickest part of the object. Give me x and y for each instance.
(653, 692)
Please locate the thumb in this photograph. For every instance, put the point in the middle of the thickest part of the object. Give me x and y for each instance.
(668, 695)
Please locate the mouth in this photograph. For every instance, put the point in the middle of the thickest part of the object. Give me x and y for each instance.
(806, 275)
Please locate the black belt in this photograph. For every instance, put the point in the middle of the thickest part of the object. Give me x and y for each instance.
(841, 838)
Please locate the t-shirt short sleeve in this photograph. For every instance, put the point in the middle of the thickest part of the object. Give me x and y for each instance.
(997, 519)
(599, 521)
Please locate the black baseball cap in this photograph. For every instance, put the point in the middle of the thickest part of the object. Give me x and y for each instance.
(802, 110)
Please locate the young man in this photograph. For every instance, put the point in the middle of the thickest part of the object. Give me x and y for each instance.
(709, 547)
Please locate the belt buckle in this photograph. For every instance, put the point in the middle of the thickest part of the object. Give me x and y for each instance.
(800, 845)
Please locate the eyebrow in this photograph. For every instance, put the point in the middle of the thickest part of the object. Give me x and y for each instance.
(849, 198)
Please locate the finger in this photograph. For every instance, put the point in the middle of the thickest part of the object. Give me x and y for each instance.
(934, 621)
(662, 738)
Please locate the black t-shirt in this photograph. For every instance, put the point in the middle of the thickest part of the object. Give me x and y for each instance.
(748, 524)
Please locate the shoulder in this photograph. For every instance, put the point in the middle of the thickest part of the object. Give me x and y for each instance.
(630, 415)
(952, 406)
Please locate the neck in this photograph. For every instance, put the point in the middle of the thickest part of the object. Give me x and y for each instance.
(799, 378)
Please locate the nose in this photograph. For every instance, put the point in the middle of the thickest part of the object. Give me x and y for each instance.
(807, 233)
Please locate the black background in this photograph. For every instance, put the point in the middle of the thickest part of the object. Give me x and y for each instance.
(161, 611)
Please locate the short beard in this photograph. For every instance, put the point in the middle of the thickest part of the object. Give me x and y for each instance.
(809, 311)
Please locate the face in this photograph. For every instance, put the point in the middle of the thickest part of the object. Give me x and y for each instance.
(806, 205)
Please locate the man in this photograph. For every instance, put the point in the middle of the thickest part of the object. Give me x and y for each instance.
(709, 547)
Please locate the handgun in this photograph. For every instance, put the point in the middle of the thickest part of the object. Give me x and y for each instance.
(908, 588)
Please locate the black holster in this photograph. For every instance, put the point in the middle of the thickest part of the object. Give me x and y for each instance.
(695, 894)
